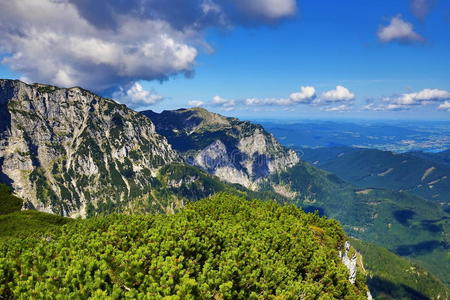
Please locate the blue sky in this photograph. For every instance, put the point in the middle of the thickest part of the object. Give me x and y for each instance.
(398, 73)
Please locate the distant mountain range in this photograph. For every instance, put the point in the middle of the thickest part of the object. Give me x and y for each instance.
(73, 153)
(423, 174)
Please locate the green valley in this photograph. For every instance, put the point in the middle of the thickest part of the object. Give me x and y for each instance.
(424, 174)
(393, 277)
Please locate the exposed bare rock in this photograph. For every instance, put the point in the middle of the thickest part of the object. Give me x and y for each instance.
(350, 261)
(65, 150)
(235, 151)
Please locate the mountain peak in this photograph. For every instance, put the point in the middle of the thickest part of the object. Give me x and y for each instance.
(65, 150)
(235, 151)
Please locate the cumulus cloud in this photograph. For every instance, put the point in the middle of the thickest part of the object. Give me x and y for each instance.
(224, 104)
(425, 96)
(306, 95)
(445, 106)
(102, 44)
(136, 96)
(339, 94)
(400, 31)
(421, 8)
(195, 103)
(409, 100)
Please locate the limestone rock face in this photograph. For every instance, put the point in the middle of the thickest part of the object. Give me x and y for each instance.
(349, 262)
(68, 150)
(235, 151)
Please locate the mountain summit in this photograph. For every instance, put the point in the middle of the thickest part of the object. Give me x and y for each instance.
(65, 149)
(236, 151)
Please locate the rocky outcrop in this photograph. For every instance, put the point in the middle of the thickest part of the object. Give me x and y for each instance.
(350, 260)
(235, 151)
(67, 150)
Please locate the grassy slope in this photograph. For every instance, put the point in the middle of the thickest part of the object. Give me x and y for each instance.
(8, 202)
(406, 224)
(394, 277)
(15, 223)
(29, 223)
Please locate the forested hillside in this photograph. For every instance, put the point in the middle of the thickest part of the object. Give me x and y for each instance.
(424, 174)
(223, 247)
(390, 276)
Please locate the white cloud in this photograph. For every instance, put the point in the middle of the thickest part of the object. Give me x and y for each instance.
(136, 96)
(408, 100)
(339, 94)
(425, 96)
(306, 95)
(384, 107)
(195, 103)
(224, 104)
(104, 44)
(268, 101)
(399, 30)
(445, 106)
(217, 100)
(339, 108)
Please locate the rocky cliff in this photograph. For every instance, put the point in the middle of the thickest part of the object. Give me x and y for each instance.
(235, 151)
(66, 150)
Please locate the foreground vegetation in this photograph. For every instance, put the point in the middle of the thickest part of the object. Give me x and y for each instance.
(223, 247)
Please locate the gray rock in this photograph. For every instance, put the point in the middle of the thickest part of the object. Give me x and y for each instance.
(233, 150)
(349, 262)
(63, 150)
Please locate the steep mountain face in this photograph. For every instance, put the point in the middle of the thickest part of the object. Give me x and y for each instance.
(234, 150)
(423, 174)
(65, 150)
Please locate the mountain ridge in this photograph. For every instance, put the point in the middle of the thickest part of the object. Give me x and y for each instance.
(235, 151)
(74, 141)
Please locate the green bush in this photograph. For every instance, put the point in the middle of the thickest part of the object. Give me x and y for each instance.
(223, 247)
